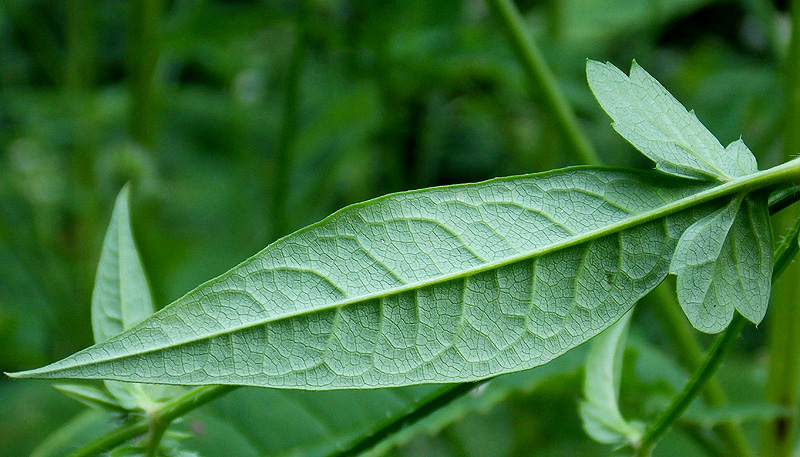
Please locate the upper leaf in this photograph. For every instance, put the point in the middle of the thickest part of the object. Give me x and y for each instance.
(648, 116)
(121, 296)
(724, 262)
(439, 285)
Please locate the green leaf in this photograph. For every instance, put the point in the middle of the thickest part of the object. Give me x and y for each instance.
(439, 285)
(90, 395)
(599, 411)
(653, 121)
(121, 296)
(724, 263)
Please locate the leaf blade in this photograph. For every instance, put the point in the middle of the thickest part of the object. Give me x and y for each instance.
(121, 297)
(314, 334)
(724, 263)
(701, 268)
(659, 126)
(599, 410)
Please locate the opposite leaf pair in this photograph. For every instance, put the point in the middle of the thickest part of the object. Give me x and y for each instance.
(723, 261)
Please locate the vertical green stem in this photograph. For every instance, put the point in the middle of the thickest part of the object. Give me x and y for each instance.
(156, 430)
(714, 358)
(683, 340)
(281, 166)
(143, 49)
(543, 79)
(79, 80)
(784, 317)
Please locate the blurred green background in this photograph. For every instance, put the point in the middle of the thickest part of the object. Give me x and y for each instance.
(240, 121)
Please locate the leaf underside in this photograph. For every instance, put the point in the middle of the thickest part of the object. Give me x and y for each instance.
(654, 122)
(439, 285)
(599, 411)
(724, 263)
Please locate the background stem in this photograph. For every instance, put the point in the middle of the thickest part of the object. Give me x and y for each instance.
(281, 166)
(143, 50)
(542, 78)
(712, 361)
(784, 316)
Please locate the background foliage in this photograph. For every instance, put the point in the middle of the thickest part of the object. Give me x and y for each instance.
(240, 121)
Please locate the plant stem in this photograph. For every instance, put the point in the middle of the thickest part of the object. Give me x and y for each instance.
(173, 409)
(712, 361)
(413, 414)
(783, 378)
(156, 429)
(143, 48)
(684, 342)
(285, 147)
(542, 78)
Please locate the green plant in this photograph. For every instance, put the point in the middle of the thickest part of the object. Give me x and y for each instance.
(374, 97)
(454, 284)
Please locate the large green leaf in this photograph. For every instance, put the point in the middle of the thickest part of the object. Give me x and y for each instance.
(648, 116)
(438, 285)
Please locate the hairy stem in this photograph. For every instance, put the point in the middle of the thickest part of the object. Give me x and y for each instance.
(684, 341)
(542, 78)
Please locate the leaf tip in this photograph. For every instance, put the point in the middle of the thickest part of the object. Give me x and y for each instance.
(17, 374)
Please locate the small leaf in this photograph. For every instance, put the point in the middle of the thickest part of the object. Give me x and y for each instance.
(121, 297)
(90, 395)
(724, 263)
(751, 255)
(599, 411)
(654, 122)
(440, 285)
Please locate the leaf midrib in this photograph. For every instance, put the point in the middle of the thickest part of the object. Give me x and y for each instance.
(761, 179)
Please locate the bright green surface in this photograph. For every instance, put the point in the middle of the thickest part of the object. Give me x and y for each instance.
(446, 284)
(648, 116)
